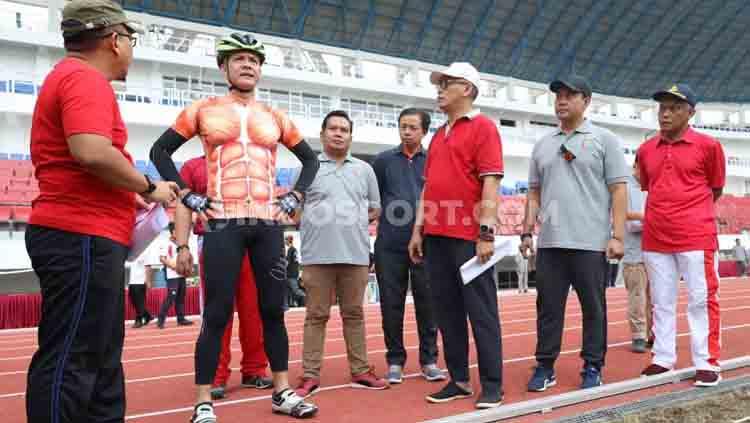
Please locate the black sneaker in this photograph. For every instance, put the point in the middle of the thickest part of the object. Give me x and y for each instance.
(185, 322)
(138, 323)
(146, 320)
(450, 392)
(639, 346)
(218, 392)
(487, 400)
(257, 382)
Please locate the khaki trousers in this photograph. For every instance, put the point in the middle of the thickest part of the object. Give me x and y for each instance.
(323, 283)
(639, 300)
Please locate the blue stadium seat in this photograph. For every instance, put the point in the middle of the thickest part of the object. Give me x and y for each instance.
(3, 86)
(3, 156)
(23, 87)
(17, 156)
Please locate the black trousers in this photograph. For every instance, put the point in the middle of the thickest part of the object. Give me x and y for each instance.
(612, 270)
(176, 291)
(394, 271)
(556, 270)
(76, 373)
(224, 246)
(454, 300)
(137, 294)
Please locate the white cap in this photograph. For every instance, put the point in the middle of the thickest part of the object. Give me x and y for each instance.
(458, 70)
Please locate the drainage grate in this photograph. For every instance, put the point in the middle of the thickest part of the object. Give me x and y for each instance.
(661, 401)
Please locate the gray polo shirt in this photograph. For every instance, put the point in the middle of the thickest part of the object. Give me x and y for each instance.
(575, 199)
(334, 226)
(740, 254)
(634, 228)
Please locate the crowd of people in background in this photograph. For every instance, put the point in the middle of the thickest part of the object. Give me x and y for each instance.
(436, 209)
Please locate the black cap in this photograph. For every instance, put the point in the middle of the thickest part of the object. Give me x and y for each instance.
(681, 92)
(572, 82)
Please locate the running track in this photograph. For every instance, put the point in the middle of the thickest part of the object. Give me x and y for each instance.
(159, 365)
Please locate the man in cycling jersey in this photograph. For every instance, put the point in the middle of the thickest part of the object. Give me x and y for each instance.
(240, 137)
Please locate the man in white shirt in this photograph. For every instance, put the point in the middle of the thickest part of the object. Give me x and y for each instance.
(740, 255)
(175, 282)
(522, 269)
(141, 279)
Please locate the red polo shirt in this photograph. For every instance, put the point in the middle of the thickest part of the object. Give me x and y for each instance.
(195, 175)
(77, 99)
(459, 156)
(679, 178)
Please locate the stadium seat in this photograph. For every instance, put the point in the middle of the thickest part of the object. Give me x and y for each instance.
(6, 213)
(23, 87)
(21, 213)
(21, 183)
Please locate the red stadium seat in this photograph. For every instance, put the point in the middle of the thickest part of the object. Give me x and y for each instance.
(21, 213)
(6, 213)
(23, 172)
(19, 182)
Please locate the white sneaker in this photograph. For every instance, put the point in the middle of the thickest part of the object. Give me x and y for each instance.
(395, 374)
(432, 373)
(289, 403)
(204, 413)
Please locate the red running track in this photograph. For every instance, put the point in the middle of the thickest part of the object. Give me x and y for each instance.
(159, 365)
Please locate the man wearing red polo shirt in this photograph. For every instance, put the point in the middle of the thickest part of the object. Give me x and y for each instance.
(82, 221)
(456, 215)
(254, 360)
(684, 174)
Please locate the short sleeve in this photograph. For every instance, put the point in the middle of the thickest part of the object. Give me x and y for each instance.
(186, 173)
(186, 123)
(290, 135)
(489, 152)
(373, 194)
(716, 166)
(644, 178)
(378, 167)
(84, 112)
(615, 167)
(535, 177)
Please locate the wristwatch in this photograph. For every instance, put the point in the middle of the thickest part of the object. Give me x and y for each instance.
(486, 233)
(151, 186)
(181, 247)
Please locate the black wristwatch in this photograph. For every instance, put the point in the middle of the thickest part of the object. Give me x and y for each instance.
(526, 235)
(151, 186)
(181, 247)
(486, 233)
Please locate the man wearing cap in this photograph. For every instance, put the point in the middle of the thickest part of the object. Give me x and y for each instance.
(684, 173)
(82, 221)
(577, 180)
(456, 219)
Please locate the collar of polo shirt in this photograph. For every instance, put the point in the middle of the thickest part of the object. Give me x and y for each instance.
(687, 137)
(469, 115)
(323, 157)
(583, 128)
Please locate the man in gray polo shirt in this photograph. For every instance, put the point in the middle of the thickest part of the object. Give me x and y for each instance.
(335, 250)
(577, 175)
(634, 271)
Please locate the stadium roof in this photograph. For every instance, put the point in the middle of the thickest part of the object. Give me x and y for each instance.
(627, 48)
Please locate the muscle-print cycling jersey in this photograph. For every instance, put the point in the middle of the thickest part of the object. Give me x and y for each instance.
(240, 138)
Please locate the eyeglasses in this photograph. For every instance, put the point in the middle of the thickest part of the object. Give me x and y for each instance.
(133, 39)
(445, 83)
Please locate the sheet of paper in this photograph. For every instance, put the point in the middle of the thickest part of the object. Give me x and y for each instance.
(472, 268)
(148, 224)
